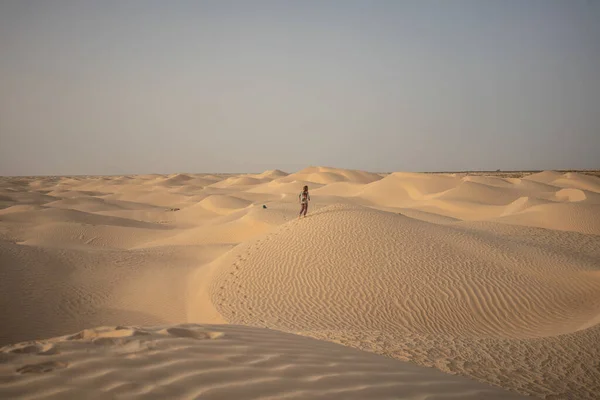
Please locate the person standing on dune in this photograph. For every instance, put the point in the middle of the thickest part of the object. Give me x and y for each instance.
(304, 198)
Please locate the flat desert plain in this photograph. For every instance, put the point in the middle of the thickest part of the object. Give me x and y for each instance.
(208, 286)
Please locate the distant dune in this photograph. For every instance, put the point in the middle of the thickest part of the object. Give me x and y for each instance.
(208, 286)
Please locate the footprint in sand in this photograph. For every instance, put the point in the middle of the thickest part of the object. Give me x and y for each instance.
(41, 368)
(193, 334)
(36, 348)
(118, 332)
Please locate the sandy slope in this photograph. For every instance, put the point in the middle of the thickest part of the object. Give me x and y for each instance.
(492, 278)
(217, 362)
(409, 273)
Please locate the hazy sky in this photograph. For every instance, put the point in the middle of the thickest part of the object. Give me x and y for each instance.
(124, 86)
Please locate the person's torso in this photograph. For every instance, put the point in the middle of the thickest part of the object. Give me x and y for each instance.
(304, 196)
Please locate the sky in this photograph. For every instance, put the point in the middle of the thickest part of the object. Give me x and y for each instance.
(150, 86)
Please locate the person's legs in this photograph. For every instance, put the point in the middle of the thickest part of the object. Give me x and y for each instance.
(305, 208)
(302, 210)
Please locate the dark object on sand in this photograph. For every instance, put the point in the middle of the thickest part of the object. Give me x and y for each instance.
(264, 206)
(173, 209)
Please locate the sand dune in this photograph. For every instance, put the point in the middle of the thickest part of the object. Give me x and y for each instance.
(18, 197)
(40, 216)
(571, 195)
(97, 204)
(49, 291)
(579, 181)
(406, 189)
(534, 187)
(239, 181)
(521, 204)
(544, 177)
(567, 217)
(217, 362)
(326, 175)
(484, 194)
(344, 189)
(492, 181)
(444, 285)
(388, 191)
(185, 180)
(281, 187)
(272, 174)
(492, 278)
(20, 208)
(178, 179)
(222, 204)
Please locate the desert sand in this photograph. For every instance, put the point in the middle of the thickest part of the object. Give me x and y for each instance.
(401, 285)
